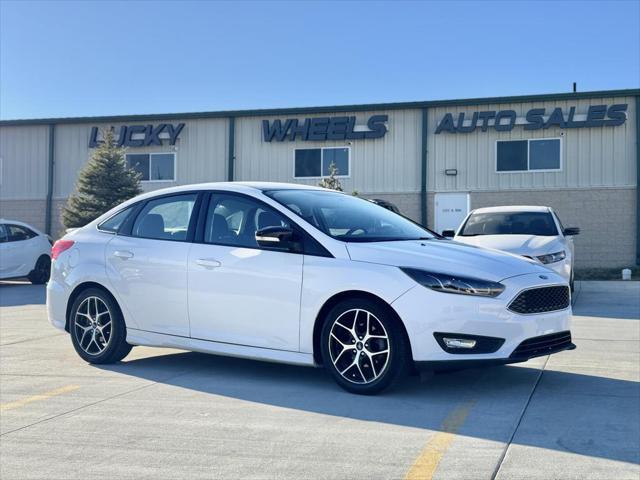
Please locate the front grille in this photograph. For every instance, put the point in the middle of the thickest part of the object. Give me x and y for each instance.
(539, 300)
(544, 345)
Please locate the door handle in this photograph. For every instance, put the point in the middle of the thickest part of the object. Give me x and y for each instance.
(123, 254)
(208, 262)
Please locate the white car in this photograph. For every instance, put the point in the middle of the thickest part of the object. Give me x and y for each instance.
(24, 252)
(300, 275)
(530, 231)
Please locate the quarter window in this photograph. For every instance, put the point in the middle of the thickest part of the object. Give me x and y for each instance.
(316, 162)
(165, 218)
(154, 167)
(528, 155)
(114, 223)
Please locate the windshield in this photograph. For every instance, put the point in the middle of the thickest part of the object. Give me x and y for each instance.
(348, 218)
(510, 223)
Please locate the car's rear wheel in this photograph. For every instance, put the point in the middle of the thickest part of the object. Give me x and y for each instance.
(98, 331)
(41, 271)
(363, 346)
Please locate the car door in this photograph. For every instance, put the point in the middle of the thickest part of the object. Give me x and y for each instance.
(7, 261)
(147, 263)
(238, 292)
(19, 253)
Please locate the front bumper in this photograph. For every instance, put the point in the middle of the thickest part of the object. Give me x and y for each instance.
(425, 312)
(562, 268)
(528, 349)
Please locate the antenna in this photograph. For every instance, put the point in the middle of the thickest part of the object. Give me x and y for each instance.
(575, 87)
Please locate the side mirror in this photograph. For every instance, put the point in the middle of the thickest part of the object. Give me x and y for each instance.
(275, 237)
(448, 233)
(569, 231)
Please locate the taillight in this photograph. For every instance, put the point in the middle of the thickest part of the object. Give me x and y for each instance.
(59, 247)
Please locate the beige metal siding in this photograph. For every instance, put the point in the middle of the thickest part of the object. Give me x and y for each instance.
(389, 164)
(201, 153)
(24, 151)
(591, 157)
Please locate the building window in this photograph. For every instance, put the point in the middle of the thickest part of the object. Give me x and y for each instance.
(315, 162)
(154, 167)
(528, 155)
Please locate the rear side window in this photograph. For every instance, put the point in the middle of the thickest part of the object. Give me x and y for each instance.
(165, 218)
(3, 234)
(17, 233)
(113, 223)
(510, 223)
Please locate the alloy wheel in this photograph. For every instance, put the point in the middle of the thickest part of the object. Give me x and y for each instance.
(359, 346)
(93, 325)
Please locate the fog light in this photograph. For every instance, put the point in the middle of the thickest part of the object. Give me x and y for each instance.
(459, 342)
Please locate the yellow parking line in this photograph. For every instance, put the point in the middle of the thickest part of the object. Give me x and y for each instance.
(427, 462)
(36, 398)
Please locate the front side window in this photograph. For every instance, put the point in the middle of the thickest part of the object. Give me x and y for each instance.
(348, 218)
(510, 223)
(17, 233)
(316, 162)
(3, 234)
(165, 218)
(233, 220)
(528, 155)
(154, 167)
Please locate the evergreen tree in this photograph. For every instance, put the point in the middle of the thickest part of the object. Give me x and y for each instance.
(103, 183)
(331, 182)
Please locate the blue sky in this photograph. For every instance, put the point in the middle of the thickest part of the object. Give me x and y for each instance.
(101, 58)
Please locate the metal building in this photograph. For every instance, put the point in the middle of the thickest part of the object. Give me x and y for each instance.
(576, 152)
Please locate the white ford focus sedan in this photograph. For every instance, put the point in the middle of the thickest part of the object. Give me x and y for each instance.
(300, 275)
(534, 232)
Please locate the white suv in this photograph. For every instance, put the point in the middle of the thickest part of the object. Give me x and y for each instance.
(300, 275)
(530, 231)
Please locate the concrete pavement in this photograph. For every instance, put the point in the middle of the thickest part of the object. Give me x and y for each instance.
(167, 414)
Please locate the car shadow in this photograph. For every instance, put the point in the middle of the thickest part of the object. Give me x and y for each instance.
(16, 293)
(605, 423)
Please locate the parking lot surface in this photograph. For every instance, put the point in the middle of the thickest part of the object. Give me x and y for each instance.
(171, 414)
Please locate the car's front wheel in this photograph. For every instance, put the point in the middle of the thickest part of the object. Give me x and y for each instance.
(97, 329)
(363, 346)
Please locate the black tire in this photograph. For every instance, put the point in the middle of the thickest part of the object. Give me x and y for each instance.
(41, 271)
(571, 282)
(115, 348)
(364, 377)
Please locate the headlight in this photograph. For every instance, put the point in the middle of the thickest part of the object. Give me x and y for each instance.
(552, 257)
(442, 282)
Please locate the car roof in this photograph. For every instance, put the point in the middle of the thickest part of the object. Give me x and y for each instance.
(232, 187)
(513, 208)
(240, 187)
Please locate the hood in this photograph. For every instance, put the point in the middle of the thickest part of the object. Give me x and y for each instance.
(445, 256)
(532, 245)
